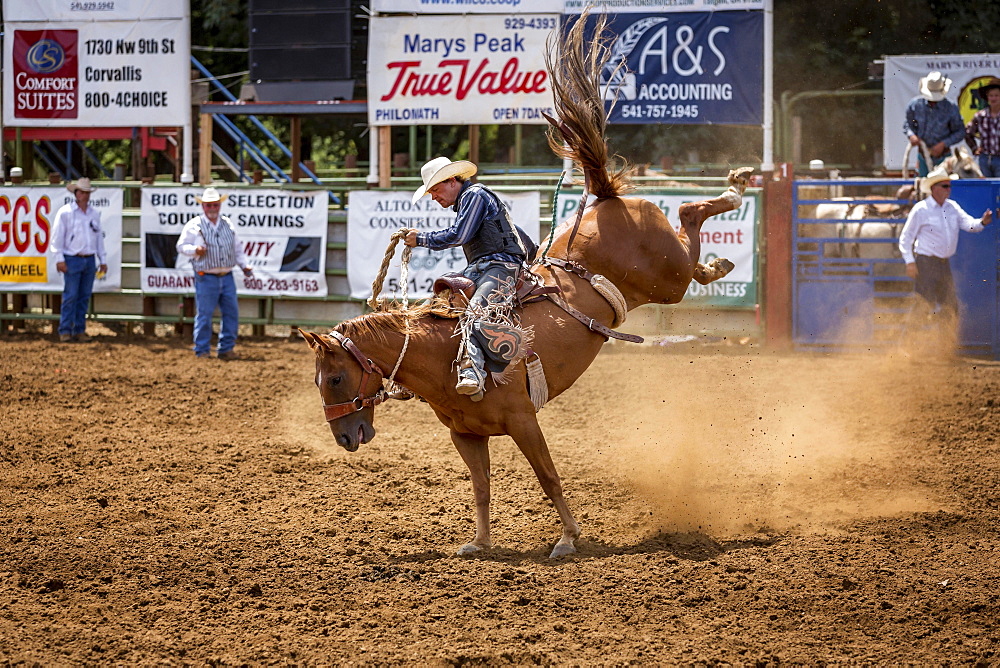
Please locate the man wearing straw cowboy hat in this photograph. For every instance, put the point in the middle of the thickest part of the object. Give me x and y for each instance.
(930, 237)
(210, 240)
(494, 247)
(77, 238)
(933, 119)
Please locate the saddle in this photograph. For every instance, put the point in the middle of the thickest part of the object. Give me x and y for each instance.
(458, 290)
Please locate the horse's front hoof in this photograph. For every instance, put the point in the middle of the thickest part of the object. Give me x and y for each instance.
(562, 549)
(469, 548)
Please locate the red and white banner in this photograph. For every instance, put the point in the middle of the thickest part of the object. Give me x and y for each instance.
(99, 67)
(27, 215)
(459, 70)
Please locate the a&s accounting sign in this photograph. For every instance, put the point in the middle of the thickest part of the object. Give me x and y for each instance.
(46, 77)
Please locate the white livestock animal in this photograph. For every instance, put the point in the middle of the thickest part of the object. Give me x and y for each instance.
(848, 216)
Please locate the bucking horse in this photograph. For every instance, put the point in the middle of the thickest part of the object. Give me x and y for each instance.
(627, 241)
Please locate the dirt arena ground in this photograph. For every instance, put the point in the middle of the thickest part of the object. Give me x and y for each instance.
(739, 506)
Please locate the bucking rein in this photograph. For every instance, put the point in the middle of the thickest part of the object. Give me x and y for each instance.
(529, 290)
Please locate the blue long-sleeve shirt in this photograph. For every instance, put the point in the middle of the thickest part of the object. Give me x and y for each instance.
(473, 206)
(942, 122)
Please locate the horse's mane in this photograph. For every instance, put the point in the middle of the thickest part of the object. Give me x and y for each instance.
(575, 77)
(392, 318)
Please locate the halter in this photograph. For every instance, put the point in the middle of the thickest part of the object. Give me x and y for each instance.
(360, 402)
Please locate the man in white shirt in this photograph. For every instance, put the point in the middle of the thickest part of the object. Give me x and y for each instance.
(214, 247)
(77, 238)
(930, 237)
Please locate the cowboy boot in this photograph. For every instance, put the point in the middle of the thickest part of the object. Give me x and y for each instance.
(471, 377)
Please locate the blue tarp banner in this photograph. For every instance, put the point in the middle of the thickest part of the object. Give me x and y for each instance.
(686, 68)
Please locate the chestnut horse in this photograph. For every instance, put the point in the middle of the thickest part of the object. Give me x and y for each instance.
(629, 241)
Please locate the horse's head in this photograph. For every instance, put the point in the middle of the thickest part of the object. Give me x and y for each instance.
(963, 163)
(350, 386)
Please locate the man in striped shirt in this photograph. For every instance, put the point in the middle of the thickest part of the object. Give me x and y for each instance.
(211, 242)
(986, 124)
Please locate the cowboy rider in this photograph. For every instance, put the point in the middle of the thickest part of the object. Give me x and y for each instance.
(494, 247)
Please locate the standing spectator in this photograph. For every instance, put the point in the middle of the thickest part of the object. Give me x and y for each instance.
(77, 238)
(930, 237)
(211, 241)
(986, 124)
(933, 119)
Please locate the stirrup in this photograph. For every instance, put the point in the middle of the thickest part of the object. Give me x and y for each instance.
(470, 380)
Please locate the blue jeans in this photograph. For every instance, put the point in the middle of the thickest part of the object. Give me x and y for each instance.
(487, 275)
(78, 285)
(211, 291)
(989, 165)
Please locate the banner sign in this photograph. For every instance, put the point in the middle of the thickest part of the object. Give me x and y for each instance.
(558, 6)
(27, 215)
(730, 235)
(283, 235)
(95, 68)
(686, 68)
(901, 84)
(372, 217)
(94, 10)
(468, 70)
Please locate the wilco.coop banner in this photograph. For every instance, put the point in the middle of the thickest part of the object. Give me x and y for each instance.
(27, 216)
(373, 216)
(283, 235)
(730, 235)
(438, 70)
(106, 63)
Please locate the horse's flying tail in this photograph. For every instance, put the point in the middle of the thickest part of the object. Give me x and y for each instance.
(575, 65)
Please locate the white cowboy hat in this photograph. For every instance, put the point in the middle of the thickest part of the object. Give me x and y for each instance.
(81, 184)
(210, 195)
(936, 176)
(442, 169)
(934, 86)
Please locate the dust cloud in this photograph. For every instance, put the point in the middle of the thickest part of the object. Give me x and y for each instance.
(744, 443)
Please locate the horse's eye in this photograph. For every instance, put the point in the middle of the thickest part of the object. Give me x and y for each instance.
(334, 380)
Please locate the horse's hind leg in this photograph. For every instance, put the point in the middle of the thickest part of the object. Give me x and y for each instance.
(529, 439)
(694, 214)
(475, 452)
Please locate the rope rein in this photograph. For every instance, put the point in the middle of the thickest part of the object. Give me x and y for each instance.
(395, 390)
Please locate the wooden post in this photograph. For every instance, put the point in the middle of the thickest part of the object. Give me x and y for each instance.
(384, 156)
(205, 149)
(777, 255)
(149, 308)
(56, 301)
(296, 141)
